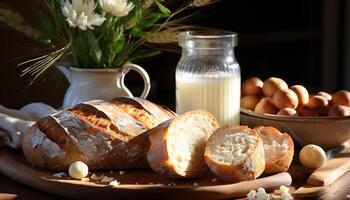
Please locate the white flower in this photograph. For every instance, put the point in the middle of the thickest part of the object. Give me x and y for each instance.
(80, 13)
(118, 8)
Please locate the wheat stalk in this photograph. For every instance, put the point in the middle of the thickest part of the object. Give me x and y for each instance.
(18, 23)
(42, 63)
(131, 23)
(147, 4)
(201, 3)
(167, 36)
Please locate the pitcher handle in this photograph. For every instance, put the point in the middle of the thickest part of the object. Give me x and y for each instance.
(146, 80)
(65, 71)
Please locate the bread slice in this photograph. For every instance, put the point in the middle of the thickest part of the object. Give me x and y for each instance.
(235, 153)
(279, 149)
(177, 145)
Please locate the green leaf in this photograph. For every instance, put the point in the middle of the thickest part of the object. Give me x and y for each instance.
(143, 54)
(81, 53)
(162, 8)
(138, 13)
(95, 51)
(137, 32)
(48, 27)
(119, 45)
(152, 19)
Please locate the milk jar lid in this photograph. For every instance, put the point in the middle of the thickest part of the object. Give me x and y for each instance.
(208, 39)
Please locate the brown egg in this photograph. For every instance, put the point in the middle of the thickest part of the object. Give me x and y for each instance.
(273, 84)
(339, 110)
(317, 101)
(342, 97)
(325, 95)
(252, 86)
(288, 112)
(285, 98)
(249, 102)
(302, 93)
(319, 104)
(323, 111)
(307, 112)
(265, 106)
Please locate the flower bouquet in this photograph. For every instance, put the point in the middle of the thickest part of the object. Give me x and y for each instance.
(102, 33)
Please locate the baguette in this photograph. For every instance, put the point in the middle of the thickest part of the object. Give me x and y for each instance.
(104, 135)
(177, 145)
(278, 147)
(235, 153)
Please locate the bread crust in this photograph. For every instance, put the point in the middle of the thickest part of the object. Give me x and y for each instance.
(97, 132)
(282, 163)
(250, 168)
(158, 154)
(147, 113)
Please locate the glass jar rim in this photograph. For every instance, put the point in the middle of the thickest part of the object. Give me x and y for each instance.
(212, 39)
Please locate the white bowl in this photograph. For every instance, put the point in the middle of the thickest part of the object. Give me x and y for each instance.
(326, 132)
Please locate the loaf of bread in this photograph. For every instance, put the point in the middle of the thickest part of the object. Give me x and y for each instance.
(278, 147)
(104, 135)
(177, 145)
(235, 153)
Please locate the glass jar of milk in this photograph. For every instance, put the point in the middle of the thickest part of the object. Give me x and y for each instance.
(208, 76)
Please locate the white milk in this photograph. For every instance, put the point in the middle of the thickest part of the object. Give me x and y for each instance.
(218, 94)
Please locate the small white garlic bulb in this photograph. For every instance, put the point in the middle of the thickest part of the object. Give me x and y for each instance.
(312, 156)
(78, 170)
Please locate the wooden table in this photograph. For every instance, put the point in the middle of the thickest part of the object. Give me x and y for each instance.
(10, 189)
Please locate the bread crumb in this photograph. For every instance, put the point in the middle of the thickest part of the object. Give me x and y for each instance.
(150, 183)
(85, 179)
(284, 189)
(59, 175)
(107, 179)
(95, 177)
(251, 195)
(286, 196)
(121, 172)
(275, 197)
(261, 194)
(195, 184)
(214, 180)
(114, 183)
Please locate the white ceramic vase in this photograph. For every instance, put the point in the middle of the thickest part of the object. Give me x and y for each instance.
(104, 84)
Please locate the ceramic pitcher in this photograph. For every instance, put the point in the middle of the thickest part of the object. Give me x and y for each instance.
(105, 84)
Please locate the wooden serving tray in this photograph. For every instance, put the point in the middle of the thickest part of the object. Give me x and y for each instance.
(135, 184)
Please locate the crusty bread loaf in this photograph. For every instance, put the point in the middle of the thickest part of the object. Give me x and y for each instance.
(279, 149)
(104, 135)
(235, 153)
(177, 145)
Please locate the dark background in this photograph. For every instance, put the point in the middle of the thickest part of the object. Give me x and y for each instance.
(302, 41)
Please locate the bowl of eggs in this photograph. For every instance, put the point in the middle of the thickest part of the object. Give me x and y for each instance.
(321, 118)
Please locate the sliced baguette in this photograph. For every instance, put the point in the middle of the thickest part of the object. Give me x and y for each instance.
(177, 145)
(278, 147)
(235, 153)
(104, 135)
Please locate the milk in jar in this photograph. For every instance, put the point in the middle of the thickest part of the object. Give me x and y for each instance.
(208, 76)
